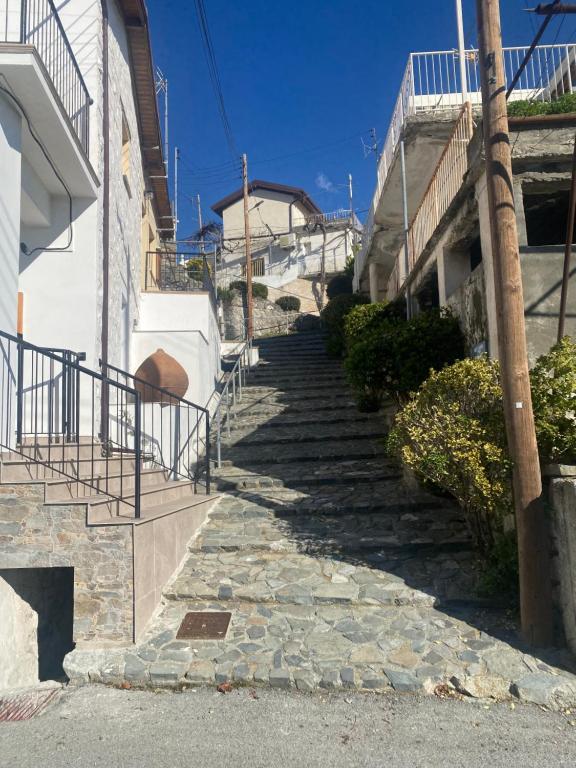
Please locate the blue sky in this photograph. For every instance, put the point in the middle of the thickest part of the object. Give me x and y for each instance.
(303, 82)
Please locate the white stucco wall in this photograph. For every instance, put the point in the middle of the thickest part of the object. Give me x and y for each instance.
(10, 165)
(18, 640)
(183, 325)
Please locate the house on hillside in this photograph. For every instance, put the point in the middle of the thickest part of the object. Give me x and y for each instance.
(292, 241)
(105, 368)
(445, 258)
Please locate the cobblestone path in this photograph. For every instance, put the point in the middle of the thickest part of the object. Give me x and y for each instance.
(334, 573)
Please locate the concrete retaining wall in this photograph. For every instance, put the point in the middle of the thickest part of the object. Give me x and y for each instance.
(562, 498)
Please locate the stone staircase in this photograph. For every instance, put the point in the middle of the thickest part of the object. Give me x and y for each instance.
(333, 573)
(57, 510)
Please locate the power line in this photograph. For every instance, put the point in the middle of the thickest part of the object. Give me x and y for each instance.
(214, 75)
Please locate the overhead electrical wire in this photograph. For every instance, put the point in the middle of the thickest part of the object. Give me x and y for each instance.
(214, 74)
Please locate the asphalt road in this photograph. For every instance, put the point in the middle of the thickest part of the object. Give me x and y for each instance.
(204, 729)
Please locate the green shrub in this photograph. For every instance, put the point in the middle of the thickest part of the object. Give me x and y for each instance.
(452, 434)
(339, 285)
(289, 303)
(389, 357)
(563, 105)
(225, 295)
(195, 268)
(553, 381)
(362, 318)
(259, 291)
(349, 267)
(332, 317)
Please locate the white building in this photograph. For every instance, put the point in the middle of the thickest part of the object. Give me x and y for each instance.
(84, 195)
(291, 238)
(444, 256)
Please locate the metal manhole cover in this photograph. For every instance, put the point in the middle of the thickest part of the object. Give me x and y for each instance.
(23, 706)
(204, 625)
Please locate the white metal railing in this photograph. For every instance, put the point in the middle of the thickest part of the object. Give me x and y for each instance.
(342, 214)
(444, 184)
(431, 83)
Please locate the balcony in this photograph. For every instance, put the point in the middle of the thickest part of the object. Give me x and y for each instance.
(170, 271)
(39, 69)
(426, 111)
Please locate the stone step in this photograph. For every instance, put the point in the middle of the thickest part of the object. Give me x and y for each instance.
(117, 484)
(305, 389)
(23, 470)
(251, 456)
(289, 578)
(45, 451)
(301, 434)
(324, 396)
(366, 472)
(270, 407)
(264, 378)
(104, 508)
(344, 418)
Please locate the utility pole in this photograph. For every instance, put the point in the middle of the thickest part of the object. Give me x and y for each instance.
(200, 223)
(533, 555)
(176, 158)
(351, 201)
(461, 52)
(249, 305)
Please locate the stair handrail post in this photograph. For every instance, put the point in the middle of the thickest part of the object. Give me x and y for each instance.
(218, 439)
(19, 391)
(137, 452)
(207, 453)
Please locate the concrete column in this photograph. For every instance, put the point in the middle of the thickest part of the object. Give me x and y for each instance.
(520, 215)
(373, 275)
(486, 244)
(11, 165)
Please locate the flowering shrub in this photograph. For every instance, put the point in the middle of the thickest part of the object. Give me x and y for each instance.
(452, 434)
(553, 381)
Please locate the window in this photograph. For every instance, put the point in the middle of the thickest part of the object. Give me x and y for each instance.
(258, 267)
(125, 151)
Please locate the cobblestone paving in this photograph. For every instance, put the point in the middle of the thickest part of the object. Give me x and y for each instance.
(335, 574)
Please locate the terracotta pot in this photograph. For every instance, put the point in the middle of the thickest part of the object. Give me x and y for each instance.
(161, 370)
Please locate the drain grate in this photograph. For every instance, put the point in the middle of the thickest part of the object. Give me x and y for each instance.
(24, 706)
(204, 625)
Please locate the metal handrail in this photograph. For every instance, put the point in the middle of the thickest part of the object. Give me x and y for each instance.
(234, 385)
(174, 450)
(54, 382)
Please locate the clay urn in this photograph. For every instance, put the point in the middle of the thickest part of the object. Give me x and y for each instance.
(161, 370)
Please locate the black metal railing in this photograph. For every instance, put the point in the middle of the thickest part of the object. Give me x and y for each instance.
(175, 433)
(178, 271)
(37, 23)
(51, 414)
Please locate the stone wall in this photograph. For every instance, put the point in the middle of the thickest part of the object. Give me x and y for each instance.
(269, 319)
(35, 535)
(468, 302)
(562, 510)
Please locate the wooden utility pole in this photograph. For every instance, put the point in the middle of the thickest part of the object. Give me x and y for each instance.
(249, 304)
(533, 546)
(199, 204)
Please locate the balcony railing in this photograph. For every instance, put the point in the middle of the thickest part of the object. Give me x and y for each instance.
(178, 271)
(432, 84)
(37, 23)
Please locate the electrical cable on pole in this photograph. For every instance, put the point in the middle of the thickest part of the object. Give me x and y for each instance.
(201, 234)
(533, 548)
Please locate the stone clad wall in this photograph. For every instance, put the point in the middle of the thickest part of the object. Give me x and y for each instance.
(33, 535)
(269, 319)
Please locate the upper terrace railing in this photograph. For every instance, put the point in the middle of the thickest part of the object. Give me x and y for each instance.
(332, 217)
(178, 271)
(432, 84)
(37, 23)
